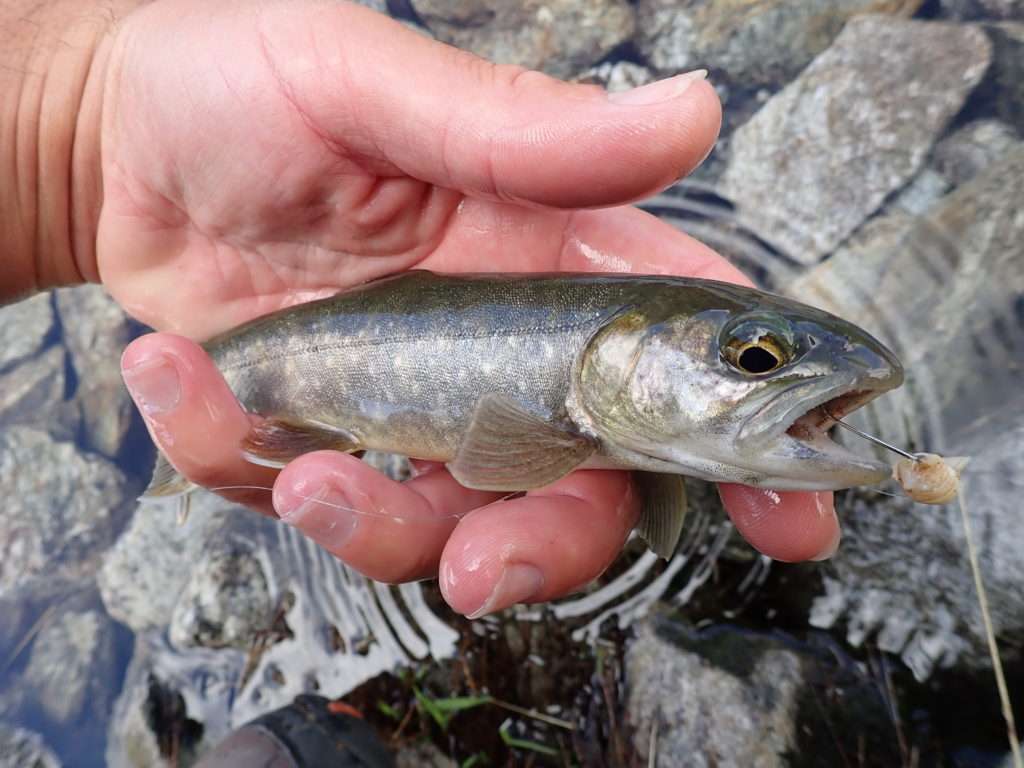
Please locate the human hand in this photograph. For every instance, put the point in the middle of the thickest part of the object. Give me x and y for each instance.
(261, 155)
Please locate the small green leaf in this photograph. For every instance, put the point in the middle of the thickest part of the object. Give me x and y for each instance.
(473, 760)
(388, 710)
(428, 705)
(460, 703)
(533, 746)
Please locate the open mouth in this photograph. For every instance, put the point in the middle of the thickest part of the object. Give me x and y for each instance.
(815, 423)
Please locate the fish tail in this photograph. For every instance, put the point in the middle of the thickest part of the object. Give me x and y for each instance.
(167, 481)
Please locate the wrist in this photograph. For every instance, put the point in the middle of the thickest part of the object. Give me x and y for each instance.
(52, 71)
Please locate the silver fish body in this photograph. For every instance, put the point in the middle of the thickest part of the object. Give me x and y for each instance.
(515, 380)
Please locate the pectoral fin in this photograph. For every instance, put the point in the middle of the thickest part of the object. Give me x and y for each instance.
(509, 448)
(275, 442)
(662, 510)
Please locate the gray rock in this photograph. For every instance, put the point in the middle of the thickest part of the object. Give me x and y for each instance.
(145, 573)
(226, 601)
(1007, 76)
(853, 128)
(560, 37)
(972, 10)
(32, 392)
(946, 291)
(423, 754)
(71, 666)
(24, 327)
(151, 726)
(62, 508)
(706, 713)
(724, 696)
(750, 43)
(617, 76)
(24, 749)
(972, 148)
(96, 331)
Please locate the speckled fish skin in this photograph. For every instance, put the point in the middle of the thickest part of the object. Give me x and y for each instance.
(632, 363)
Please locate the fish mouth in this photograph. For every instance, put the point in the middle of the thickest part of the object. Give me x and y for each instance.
(810, 426)
(800, 431)
(816, 422)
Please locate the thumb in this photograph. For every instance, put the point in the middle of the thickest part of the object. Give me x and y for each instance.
(400, 102)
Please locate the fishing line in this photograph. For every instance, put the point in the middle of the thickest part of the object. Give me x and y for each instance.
(341, 508)
(990, 635)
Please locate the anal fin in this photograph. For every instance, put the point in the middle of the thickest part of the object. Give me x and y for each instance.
(510, 448)
(662, 510)
(275, 442)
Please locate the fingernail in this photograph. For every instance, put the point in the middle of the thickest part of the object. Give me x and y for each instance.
(659, 91)
(831, 549)
(324, 516)
(517, 583)
(154, 385)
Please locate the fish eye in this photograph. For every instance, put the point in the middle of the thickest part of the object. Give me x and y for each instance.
(755, 349)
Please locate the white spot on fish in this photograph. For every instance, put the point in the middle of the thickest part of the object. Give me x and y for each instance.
(775, 498)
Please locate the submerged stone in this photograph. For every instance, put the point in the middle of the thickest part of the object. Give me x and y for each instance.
(854, 127)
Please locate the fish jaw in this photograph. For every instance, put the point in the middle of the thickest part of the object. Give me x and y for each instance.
(790, 436)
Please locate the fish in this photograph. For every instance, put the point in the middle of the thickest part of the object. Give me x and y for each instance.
(515, 380)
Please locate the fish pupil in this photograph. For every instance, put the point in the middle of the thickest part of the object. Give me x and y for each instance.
(757, 360)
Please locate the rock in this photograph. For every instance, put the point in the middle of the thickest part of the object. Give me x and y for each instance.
(855, 126)
(71, 666)
(96, 331)
(724, 696)
(32, 392)
(618, 76)
(62, 508)
(151, 726)
(749, 721)
(423, 754)
(225, 602)
(560, 37)
(750, 43)
(1006, 80)
(144, 574)
(973, 10)
(24, 327)
(924, 191)
(972, 148)
(945, 292)
(24, 749)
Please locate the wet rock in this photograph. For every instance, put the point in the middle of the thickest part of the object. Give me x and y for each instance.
(750, 43)
(226, 601)
(707, 714)
(901, 572)
(423, 754)
(144, 574)
(560, 37)
(855, 126)
(724, 696)
(972, 148)
(973, 10)
(618, 76)
(62, 508)
(151, 726)
(32, 393)
(96, 331)
(24, 749)
(1006, 79)
(24, 327)
(71, 666)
